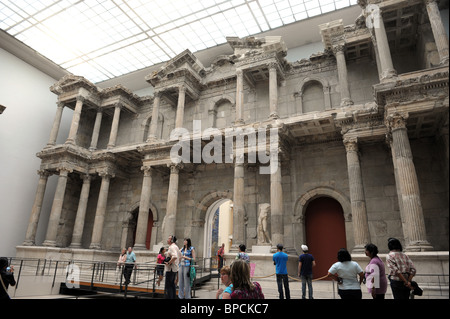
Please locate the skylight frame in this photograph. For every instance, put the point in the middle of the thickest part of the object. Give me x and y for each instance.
(144, 33)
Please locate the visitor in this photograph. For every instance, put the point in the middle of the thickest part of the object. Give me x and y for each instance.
(280, 259)
(129, 265)
(171, 267)
(243, 288)
(375, 274)
(187, 258)
(160, 265)
(121, 263)
(242, 254)
(226, 281)
(345, 271)
(6, 278)
(220, 258)
(306, 263)
(401, 270)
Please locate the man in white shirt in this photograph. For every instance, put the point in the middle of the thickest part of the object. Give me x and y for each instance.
(171, 267)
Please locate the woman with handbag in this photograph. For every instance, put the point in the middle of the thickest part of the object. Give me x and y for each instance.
(401, 270)
(187, 258)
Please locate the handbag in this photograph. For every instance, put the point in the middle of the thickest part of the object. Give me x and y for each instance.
(192, 273)
(417, 290)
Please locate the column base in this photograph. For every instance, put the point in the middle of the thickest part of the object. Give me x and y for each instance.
(358, 249)
(346, 102)
(69, 142)
(95, 246)
(388, 75)
(274, 116)
(28, 243)
(49, 243)
(419, 246)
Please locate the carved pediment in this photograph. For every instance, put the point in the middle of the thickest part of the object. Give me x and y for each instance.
(182, 63)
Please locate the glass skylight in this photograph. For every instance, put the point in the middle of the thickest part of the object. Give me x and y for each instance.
(102, 39)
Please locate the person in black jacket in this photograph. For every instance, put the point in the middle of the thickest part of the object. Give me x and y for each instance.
(7, 278)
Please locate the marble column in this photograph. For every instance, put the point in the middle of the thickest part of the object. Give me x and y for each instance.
(56, 124)
(96, 131)
(36, 210)
(384, 53)
(169, 222)
(440, 36)
(238, 205)
(357, 198)
(342, 75)
(415, 233)
(114, 126)
(100, 211)
(154, 121)
(144, 207)
(276, 206)
(77, 233)
(55, 213)
(75, 121)
(239, 97)
(273, 91)
(180, 107)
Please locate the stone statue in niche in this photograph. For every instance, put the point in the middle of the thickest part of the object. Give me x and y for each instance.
(263, 219)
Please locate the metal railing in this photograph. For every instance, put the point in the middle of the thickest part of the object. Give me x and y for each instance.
(105, 276)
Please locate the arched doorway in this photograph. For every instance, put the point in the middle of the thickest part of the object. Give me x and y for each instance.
(325, 232)
(218, 228)
(133, 223)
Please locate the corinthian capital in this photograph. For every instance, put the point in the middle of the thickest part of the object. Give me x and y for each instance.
(397, 120)
(351, 144)
(147, 170)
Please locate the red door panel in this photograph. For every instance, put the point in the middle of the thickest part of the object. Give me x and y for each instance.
(325, 232)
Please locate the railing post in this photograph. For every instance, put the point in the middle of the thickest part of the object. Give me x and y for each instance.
(92, 277)
(54, 275)
(18, 276)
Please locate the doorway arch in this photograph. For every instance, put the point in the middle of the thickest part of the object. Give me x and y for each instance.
(324, 232)
(217, 226)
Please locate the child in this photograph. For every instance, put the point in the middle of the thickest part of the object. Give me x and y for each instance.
(160, 264)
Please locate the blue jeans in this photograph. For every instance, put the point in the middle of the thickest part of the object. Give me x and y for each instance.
(184, 282)
(283, 279)
(307, 279)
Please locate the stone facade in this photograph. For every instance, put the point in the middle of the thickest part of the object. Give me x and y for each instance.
(364, 122)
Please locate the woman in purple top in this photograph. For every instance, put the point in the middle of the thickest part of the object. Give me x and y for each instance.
(375, 275)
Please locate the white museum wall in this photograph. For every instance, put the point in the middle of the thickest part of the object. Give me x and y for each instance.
(25, 127)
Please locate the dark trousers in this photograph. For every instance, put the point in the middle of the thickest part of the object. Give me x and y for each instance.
(171, 290)
(127, 270)
(220, 263)
(350, 293)
(283, 280)
(399, 290)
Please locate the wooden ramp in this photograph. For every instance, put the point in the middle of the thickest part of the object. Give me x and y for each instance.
(87, 288)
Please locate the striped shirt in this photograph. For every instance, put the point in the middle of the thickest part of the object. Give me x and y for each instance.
(399, 263)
